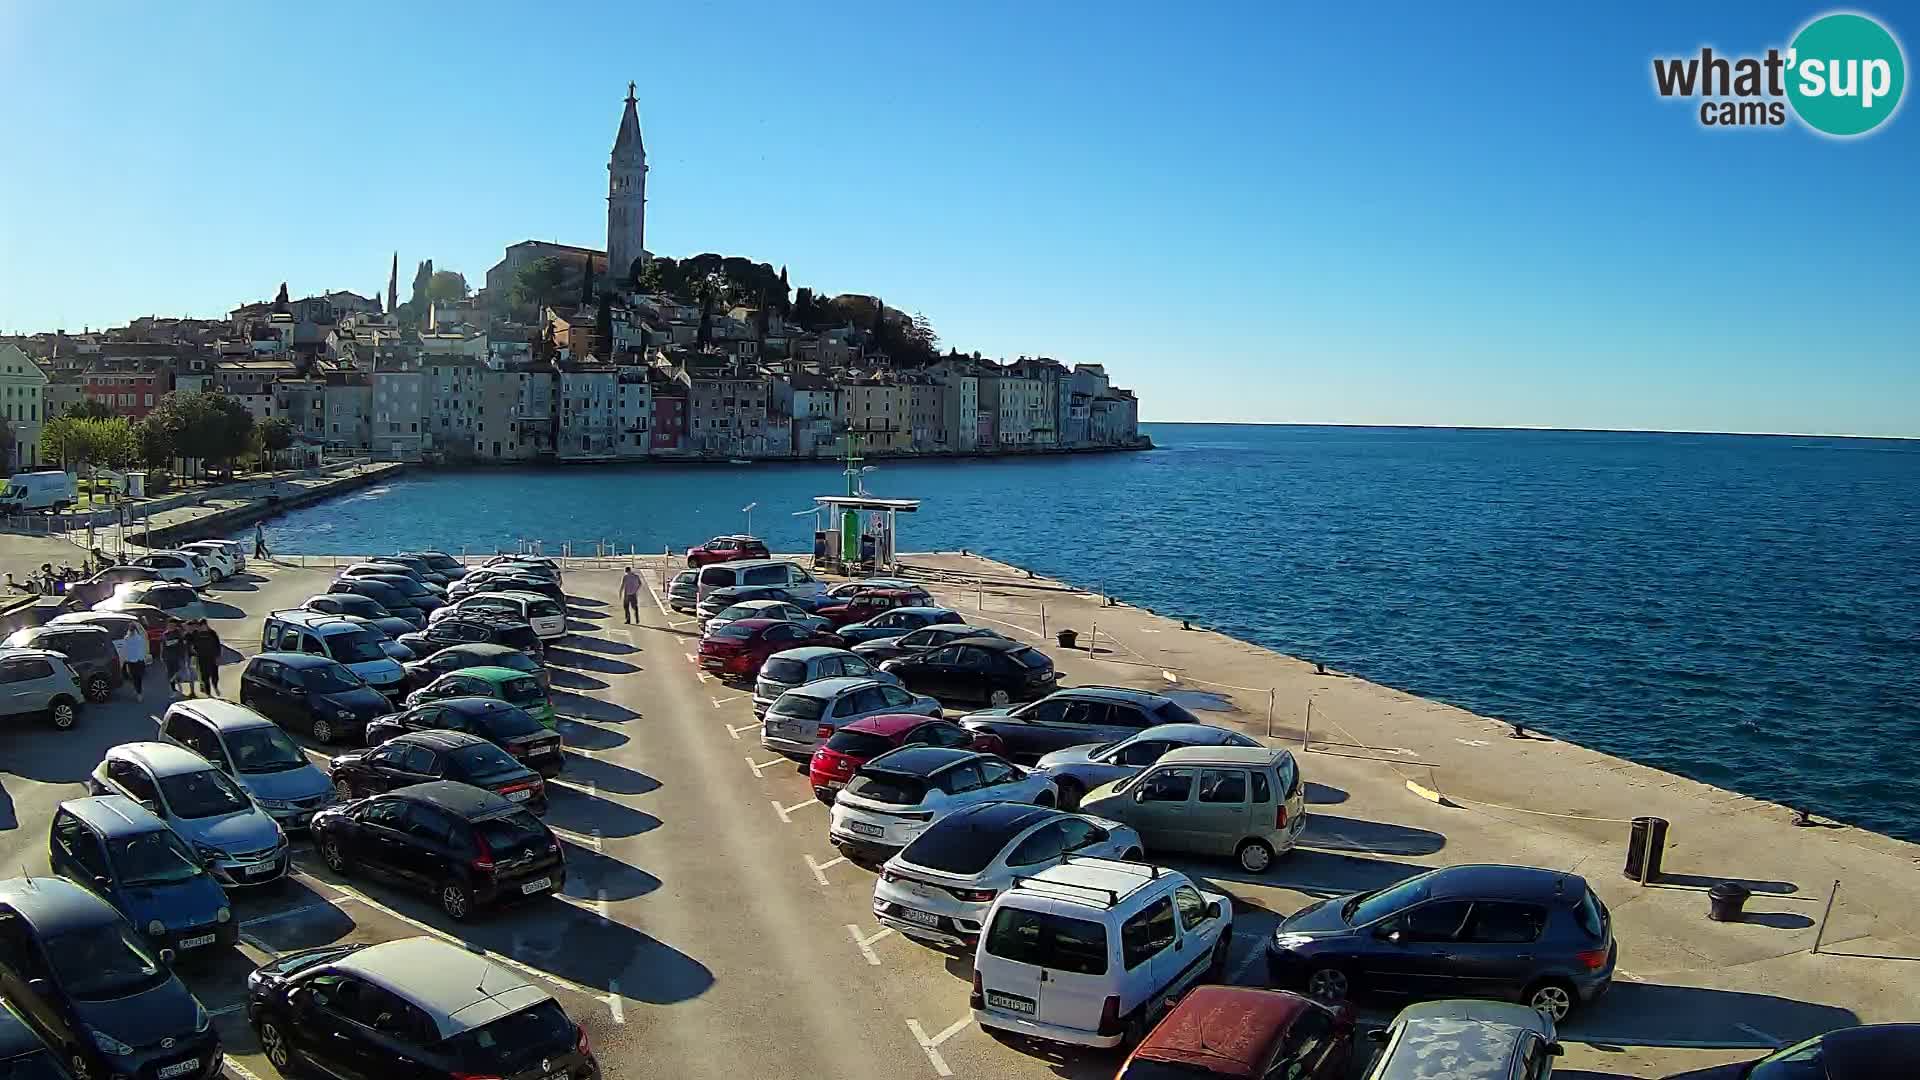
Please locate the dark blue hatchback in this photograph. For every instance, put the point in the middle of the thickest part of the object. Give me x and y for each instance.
(119, 850)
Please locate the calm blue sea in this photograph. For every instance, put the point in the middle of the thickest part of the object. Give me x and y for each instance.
(1743, 610)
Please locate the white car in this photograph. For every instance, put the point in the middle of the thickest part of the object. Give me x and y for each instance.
(1091, 952)
(940, 888)
(543, 613)
(184, 567)
(219, 555)
(892, 799)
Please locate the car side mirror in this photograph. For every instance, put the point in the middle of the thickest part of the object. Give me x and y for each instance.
(1213, 909)
(1554, 1049)
(152, 806)
(1140, 794)
(1378, 1035)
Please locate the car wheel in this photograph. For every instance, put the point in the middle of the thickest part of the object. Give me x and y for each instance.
(999, 697)
(1552, 999)
(331, 854)
(1135, 1032)
(456, 901)
(344, 787)
(64, 714)
(1329, 984)
(1254, 856)
(1217, 968)
(323, 731)
(1070, 793)
(98, 689)
(273, 1043)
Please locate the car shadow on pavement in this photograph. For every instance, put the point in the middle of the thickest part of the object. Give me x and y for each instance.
(608, 777)
(1324, 795)
(1071, 1062)
(586, 661)
(586, 601)
(214, 609)
(67, 757)
(1654, 1014)
(586, 708)
(592, 875)
(1708, 881)
(587, 815)
(1331, 832)
(580, 735)
(240, 583)
(573, 680)
(595, 645)
(1318, 874)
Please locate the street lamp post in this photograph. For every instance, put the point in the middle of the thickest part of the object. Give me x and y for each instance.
(748, 510)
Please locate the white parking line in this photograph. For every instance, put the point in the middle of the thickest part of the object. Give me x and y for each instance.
(932, 1046)
(719, 701)
(238, 1069)
(257, 945)
(820, 868)
(227, 1009)
(583, 840)
(865, 944)
(692, 659)
(735, 731)
(613, 1001)
(1628, 975)
(786, 812)
(759, 767)
(262, 920)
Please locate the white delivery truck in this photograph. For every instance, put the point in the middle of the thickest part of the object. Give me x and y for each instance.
(49, 490)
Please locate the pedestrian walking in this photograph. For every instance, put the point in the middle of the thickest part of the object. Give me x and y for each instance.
(260, 541)
(156, 642)
(174, 652)
(135, 650)
(630, 596)
(205, 645)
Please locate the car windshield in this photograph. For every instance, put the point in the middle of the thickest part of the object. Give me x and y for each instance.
(799, 706)
(328, 679)
(523, 691)
(484, 760)
(202, 793)
(155, 858)
(442, 562)
(103, 962)
(1032, 658)
(356, 647)
(1378, 905)
(508, 723)
(263, 750)
(544, 609)
(513, 1044)
(734, 632)
(956, 847)
(888, 787)
(783, 671)
(511, 833)
(516, 661)
(860, 744)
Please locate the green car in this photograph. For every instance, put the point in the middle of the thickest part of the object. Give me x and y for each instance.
(513, 687)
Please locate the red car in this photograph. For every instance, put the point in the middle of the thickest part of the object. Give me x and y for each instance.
(864, 605)
(1240, 1032)
(863, 740)
(727, 549)
(741, 646)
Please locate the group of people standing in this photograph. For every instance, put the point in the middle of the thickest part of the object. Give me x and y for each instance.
(190, 650)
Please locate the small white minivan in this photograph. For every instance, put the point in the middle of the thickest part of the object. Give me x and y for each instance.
(1091, 952)
(787, 575)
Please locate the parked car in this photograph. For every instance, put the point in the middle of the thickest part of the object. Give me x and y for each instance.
(990, 669)
(253, 751)
(783, 671)
(927, 638)
(420, 567)
(463, 627)
(524, 739)
(739, 648)
(1090, 952)
(234, 838)
(547, 616)
(782, 572)
(940, 887)
(419, 757)
(721, 599)
(806, 716)
(471, 1017)
(178, 600)
(84, 979)
(1490, 1039)
(1247, 802)
(302, 631)
(362, 607)
(42, 682)
(387, 568)
(477, 654)
(82, 595)
(234, 550)
(127, 628)
(215, 554)
(1541, 937)
(383, 636)
(1079, 769)
(181, 566)
(1076, 716)
(23, 1053)
(467, 846)
(507, 579)
(841, 593)
(418, 593)
(121, 852)
(892, 799)
(89, 651)
(898, 621)
(765, 609)
(1869, 1052)
(513, 687)
(683, 592)
(1235, 1032)
(855, 744)
(727, 549)
(867, 604)
(395, 602)
(440, 563)
(312, 693)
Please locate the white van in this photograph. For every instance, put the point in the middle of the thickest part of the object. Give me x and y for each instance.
(545, 614)
(1091, 952)
(777, 572)
(50, 490)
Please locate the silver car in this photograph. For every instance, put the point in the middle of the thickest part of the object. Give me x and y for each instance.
(684, 592)
(806, 716)
(763, 609)
(239, 843)
(176, 599)
(253, 751)
(1079, 769)
(810, 663)
(39, 681)
(1470, 1038)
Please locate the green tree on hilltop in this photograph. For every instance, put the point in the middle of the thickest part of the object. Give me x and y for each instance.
(540, 282)
(447, 285)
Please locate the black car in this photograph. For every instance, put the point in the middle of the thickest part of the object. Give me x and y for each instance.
(361, 607)
(1872, 1052)
(506, 726)
(919, 641)
(419, 567)
(417, 1007)
(393, 600)
(440, 563)
(416, 591)
(84, 979)
(82, 595)
(463, 626)
(990, 669)
(477, 654)
(1540, 937)
(421, 756)
(1076, 717)
(316, 694)
(23, 1056)
(493, 581)
(468, 847)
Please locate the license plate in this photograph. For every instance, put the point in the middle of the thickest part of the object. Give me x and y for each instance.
(784, 729)
(1010, 1003)
(532, 887)
(865, 829)
(835, 785)
(538, 750)
(520, 796)
(196, 942)
(924, 918)
(258, 871)
(182, 1068)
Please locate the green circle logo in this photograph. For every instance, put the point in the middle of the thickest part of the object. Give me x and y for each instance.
(1846, 74)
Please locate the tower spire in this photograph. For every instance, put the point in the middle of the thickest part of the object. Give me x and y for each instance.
(393, 285)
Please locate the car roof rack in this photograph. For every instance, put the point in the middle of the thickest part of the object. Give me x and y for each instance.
(1109, 896)
(1147, 870)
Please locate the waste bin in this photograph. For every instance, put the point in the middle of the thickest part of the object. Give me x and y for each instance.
(1726, 901)
(1067, 638)
(1646, 842)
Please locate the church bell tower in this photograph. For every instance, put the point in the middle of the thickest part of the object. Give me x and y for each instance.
(626, 195)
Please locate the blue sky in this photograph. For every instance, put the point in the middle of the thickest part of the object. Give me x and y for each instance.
(1352, 213)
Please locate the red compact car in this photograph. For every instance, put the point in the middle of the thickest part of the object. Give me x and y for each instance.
(727, 549)
(863, 740)
(864, 605)
(741, 646)
(1237, 1031)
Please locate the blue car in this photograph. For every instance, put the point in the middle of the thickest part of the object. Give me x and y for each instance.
(86, 981)
(896, 622)
(119, 850)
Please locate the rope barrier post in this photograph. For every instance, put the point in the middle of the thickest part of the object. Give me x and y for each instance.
(1043, 622)
(1272, 693)
(1306, 730)
(1093, 639)
(1820, 933)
